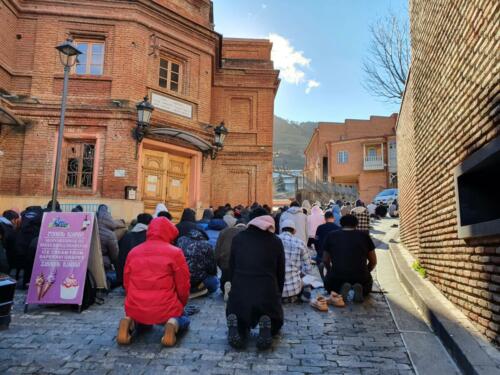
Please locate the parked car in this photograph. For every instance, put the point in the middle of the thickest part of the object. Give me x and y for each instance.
(386, 196)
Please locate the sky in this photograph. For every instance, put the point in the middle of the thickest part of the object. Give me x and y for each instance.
(319, 47)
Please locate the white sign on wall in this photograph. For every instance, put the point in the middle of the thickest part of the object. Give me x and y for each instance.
(165, 103)
(119, 172)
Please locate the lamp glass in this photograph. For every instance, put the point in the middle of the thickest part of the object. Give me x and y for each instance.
(144, 111)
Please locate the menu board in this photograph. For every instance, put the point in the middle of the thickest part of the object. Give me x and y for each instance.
(65, 244)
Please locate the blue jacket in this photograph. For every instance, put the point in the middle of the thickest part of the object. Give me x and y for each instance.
(213, 229)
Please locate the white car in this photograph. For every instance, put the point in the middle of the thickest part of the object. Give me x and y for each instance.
(386, 196)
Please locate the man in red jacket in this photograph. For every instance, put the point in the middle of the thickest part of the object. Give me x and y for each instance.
(156, 282)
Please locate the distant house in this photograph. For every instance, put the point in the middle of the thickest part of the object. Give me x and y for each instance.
(359, 155)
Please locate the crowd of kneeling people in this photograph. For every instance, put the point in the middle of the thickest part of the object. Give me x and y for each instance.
(263, 257)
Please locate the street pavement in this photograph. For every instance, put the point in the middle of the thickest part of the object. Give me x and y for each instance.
(359, 339)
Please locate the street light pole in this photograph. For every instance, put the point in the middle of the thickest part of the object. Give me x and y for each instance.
(60, 137)
(68, 55)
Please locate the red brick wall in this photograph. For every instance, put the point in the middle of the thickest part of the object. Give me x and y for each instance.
(240, 92)
(454, 90)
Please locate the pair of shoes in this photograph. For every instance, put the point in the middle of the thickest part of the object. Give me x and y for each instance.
(126, 329)
(264, 340)
(227, 289)
(335, 300)
(319, 303)
(233, 335)
(169, 335)
(357, 289)
(198, 291)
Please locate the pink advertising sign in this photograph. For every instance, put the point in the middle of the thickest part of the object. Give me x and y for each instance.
(61, 258)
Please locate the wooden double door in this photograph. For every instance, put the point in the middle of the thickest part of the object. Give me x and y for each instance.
(165, 179)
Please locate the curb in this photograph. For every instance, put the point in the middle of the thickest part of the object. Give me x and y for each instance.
(472, 354)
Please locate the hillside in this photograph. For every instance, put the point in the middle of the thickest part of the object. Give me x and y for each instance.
(290, 140)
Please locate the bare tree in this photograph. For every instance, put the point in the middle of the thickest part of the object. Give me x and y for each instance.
(388, 59)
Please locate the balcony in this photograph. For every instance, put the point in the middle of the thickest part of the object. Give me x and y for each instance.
(373, 163)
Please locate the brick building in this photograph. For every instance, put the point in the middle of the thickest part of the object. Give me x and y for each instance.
(165, 49)
(449, 154)
(356, 154)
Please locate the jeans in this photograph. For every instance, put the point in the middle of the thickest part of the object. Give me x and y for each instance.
(211, 283)
(183, 322)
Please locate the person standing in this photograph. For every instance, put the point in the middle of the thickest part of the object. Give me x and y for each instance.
(346, 209)
(297, 262)
(295, 214)
(257, 276)
(9, 223)
(156, 282)
(349, 258)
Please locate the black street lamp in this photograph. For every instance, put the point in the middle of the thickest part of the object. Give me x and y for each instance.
(220, 133)
(144, 111)
(68, 55)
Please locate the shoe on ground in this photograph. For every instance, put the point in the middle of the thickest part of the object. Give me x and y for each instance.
(198, 291)
(264, 340)
(227, 289)
(335, 300)
(319, 303)
(344, 291)
(305, 296)
(169, 335)
(358, 293)
(233, 336)
(125, 330)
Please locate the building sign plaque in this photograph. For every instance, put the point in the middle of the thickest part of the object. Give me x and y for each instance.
(168, 104)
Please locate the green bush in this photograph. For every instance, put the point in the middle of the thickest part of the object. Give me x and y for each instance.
(421, 270)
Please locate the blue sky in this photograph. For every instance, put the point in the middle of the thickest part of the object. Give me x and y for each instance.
(319, 46)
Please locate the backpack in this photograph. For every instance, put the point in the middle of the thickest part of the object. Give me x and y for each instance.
(90, 292)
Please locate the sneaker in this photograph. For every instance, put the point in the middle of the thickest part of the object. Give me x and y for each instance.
(344, 291)
(233, 336)
(227, 289)
(126, 329)
(198, 291)
(169, 335)
(358, 293)
(264, 340)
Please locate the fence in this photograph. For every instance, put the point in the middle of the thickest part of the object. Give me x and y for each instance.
(324, 191)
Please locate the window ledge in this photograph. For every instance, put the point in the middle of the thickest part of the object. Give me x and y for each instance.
(85, 77)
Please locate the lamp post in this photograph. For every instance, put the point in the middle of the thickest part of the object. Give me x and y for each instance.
(220, 133)
(68, 54)
(144, 111)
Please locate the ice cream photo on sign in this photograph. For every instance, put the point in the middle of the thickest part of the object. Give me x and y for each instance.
(69, 287)
(39, 282)
(51, 279)
(86, 222)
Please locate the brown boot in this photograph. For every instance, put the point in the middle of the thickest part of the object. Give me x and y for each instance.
(169, 336)
(125, 330)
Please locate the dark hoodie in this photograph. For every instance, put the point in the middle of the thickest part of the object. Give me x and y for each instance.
(199, 256)
(188, 223)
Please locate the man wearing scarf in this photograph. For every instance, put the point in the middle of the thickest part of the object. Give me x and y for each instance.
(257, 276)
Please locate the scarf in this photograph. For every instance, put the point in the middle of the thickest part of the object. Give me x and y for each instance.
(265, 222)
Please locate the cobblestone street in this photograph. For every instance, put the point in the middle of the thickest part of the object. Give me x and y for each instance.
(360, 339)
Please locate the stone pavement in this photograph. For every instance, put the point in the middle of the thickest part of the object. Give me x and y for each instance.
(359, 339)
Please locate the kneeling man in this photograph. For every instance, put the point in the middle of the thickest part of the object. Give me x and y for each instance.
(156, 282)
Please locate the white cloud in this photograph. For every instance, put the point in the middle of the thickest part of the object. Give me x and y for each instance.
(311, 84)
(291, 63)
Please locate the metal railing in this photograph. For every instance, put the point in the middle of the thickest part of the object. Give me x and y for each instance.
(373, 162)
(326, 190)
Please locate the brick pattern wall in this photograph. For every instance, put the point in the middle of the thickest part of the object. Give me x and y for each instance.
(407, 179)
(455, 112)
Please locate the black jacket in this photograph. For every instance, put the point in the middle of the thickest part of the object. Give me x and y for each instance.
(9, 243)
(126, 244)
(257, 275)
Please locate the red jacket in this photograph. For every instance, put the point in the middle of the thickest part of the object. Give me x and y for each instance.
(156, 276)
